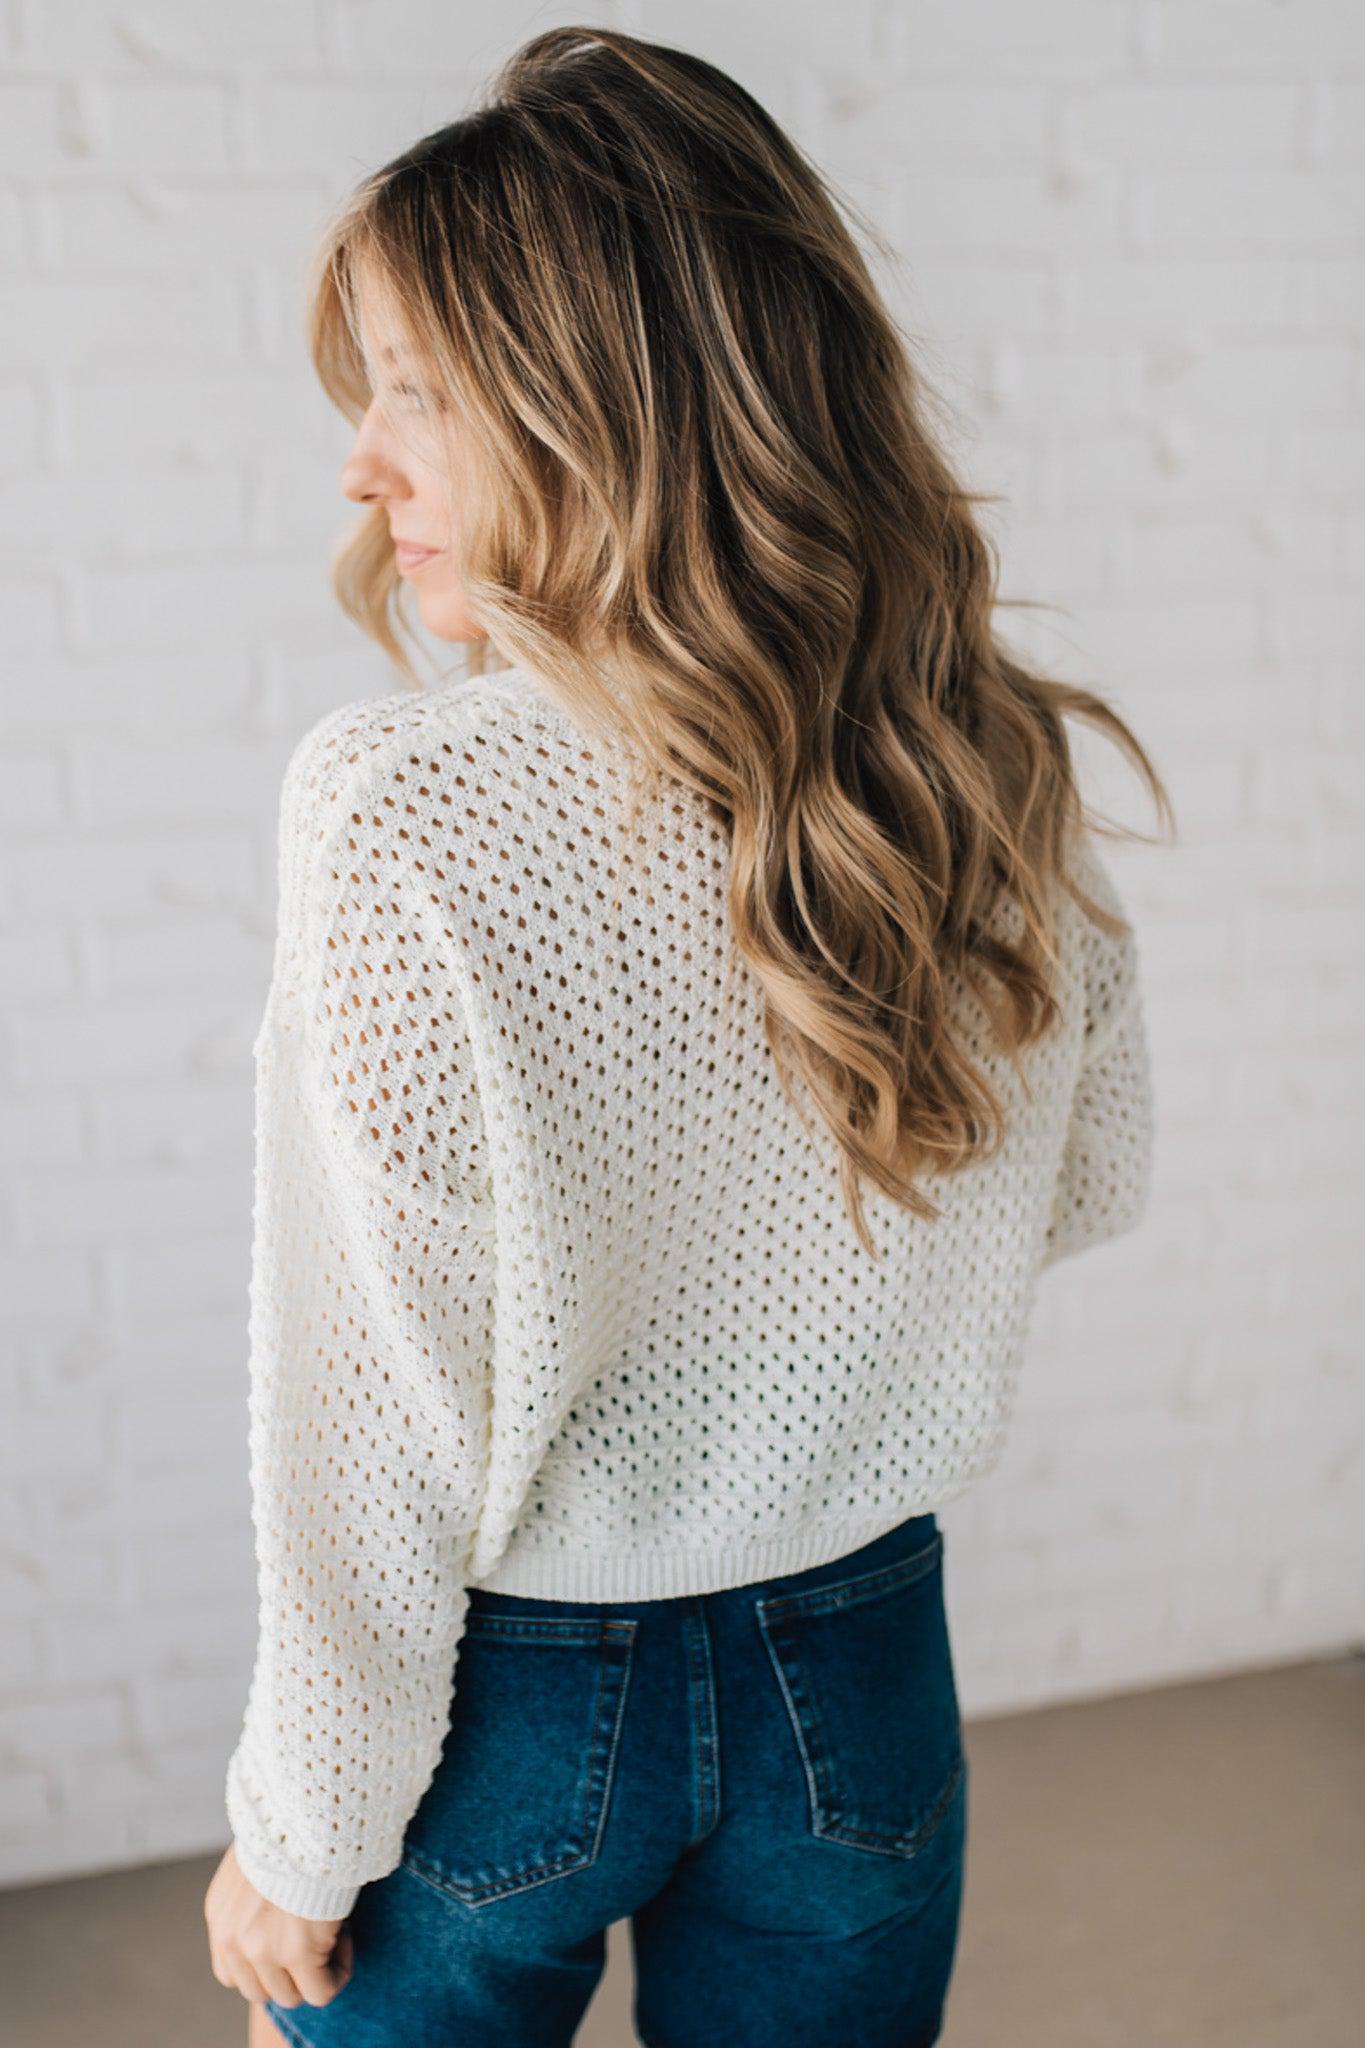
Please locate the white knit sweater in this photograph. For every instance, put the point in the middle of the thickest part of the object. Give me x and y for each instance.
(551, 1290)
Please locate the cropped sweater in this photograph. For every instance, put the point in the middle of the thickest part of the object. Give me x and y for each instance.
(553, 1290)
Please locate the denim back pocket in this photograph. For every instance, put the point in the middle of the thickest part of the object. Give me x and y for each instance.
(521, 1792)
(866, 1671)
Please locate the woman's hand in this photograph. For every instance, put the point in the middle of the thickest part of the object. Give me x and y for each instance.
(263, 1952)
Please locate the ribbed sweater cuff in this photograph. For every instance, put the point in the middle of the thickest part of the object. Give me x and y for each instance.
(314, 1898)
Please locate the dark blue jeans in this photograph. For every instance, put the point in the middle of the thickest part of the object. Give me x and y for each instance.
(769, 1782)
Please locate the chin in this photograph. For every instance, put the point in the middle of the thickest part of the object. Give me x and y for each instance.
(450, 623)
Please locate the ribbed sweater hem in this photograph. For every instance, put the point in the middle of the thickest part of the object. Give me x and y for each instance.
(645, 1574)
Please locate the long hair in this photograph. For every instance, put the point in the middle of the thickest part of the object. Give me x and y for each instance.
(700, 499)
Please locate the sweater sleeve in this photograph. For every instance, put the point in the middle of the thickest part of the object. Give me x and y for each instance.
(1104, 1182)
(370, 1340)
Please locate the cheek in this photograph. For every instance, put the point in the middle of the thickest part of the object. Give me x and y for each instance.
(443, 603)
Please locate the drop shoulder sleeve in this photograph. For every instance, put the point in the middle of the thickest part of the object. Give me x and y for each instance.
(370, 1338)
(1104, 1182)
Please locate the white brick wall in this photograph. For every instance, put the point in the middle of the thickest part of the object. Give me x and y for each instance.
(1131, 237)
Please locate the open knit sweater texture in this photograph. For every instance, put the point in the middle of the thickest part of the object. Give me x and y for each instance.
(553, 1290)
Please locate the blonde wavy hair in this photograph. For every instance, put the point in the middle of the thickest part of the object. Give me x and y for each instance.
(701, 500)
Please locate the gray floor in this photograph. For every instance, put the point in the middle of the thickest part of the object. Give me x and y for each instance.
(1183, 1868)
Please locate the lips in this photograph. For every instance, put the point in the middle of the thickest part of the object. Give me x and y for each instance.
(409, 556)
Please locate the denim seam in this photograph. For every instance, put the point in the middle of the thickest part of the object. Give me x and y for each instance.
(852, 1591)
(899, 1845)
(291, 2033)
(814, 1748)
(572, 1631)
(793, 1717)
(609, 1768)
(426, 1870)
(701, 1693)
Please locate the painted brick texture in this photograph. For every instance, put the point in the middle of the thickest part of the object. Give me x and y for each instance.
(1130, 250)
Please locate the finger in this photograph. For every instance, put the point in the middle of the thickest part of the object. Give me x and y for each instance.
(279, 1984)
(320, 1978)
(236, 1974)
(229, 1968)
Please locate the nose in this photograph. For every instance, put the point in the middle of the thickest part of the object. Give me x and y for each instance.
(366, 477)
(363, 479)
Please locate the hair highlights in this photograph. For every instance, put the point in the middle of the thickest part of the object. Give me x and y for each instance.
(701, 499)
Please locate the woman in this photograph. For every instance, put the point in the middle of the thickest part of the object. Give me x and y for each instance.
(688, 1040)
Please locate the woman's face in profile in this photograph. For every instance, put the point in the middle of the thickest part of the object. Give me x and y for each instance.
(401, 461)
